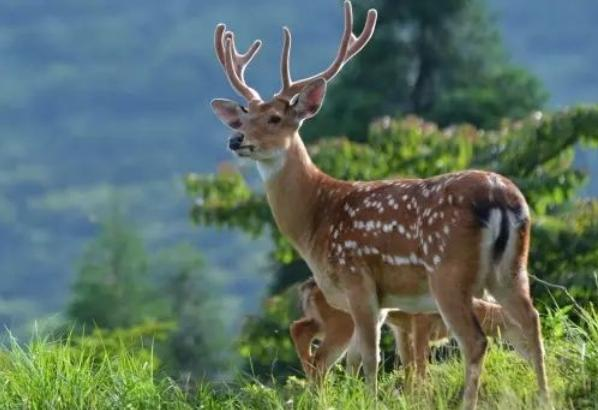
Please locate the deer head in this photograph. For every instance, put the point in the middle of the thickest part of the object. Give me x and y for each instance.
(264, 130)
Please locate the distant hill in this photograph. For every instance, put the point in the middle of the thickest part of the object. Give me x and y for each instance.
(110, 99)
(558, 41)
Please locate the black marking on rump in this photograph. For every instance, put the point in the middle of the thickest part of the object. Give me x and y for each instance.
(503, 236)
(482, 212)
(520, 217)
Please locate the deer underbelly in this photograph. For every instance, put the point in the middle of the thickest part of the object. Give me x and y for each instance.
(423, 303)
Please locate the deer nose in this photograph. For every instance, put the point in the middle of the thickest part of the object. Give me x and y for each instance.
(236, 141)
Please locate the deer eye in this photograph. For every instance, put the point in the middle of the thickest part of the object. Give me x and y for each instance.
(244, 109)
(275, 119)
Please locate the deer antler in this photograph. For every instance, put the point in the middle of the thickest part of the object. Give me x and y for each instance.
(350, 45)
(235, 63)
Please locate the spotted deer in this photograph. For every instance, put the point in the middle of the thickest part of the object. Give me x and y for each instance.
(415, 245)
(413, 333)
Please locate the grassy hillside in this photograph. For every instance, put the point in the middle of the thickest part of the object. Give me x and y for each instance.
(82, 375)
(556, 40)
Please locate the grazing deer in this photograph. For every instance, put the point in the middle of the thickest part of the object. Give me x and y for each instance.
(416, 245)
(413, 333)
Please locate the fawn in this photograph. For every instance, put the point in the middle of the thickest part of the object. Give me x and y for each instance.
(413, 333)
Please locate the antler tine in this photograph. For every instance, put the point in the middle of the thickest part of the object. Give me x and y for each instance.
(358, 43)
(289, 88)
(235, 63)
(341, 54)
(219, 42)
(235, 79)
(242, 60)
(285, 73)
(350, 45)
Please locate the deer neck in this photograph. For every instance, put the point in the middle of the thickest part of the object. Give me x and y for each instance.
(292, 182)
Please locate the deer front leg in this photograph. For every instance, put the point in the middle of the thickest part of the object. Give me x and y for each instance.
(364, 309)
(353, 357)
(403, 350)
(303, 332)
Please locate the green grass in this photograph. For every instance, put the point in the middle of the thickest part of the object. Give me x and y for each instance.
(67, 375)
(48, 375)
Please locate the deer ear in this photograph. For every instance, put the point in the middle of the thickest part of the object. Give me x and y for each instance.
(229, 112)
(310, 99)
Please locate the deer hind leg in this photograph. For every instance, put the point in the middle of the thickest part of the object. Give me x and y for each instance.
(509, 285)
(517, 303)
(365, 311)
(455, 306)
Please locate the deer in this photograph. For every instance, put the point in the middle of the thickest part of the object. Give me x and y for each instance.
(409, 244)
(413, 334)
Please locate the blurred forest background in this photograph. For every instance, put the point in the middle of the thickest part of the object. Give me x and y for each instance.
(104, 111)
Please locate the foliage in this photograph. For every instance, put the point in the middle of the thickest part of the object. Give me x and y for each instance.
(122, 290)
(225, 200)
(48, 374)
(564, 253)
(197, 347)
(265, 343)
(441, 61)
(537, 153)
(111, 289)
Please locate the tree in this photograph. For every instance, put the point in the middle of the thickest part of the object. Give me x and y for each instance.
(111, 289)
(169, 299)
(442, 61)
(197, 347)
